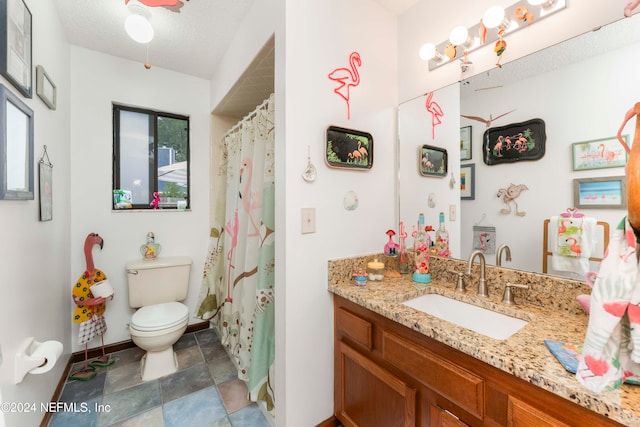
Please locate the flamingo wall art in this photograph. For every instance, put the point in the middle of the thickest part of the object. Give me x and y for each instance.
(347, 77)
(436, 112)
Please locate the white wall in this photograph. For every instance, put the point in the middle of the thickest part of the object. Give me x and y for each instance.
(98, 81)
(320, 37)
(34, 255)
(589, 108)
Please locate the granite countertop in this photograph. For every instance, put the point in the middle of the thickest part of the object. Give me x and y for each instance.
(524, 354)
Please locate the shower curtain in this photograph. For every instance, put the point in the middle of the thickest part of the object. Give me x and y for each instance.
(238, 282)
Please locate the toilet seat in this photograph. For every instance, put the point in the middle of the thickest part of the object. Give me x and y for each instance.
(159, 316)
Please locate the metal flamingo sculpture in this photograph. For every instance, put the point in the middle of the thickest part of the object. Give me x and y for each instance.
(347, 78)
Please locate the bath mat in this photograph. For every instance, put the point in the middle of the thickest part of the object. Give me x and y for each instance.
(569, 356)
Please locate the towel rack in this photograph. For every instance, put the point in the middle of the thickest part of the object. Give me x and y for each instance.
(547, 253)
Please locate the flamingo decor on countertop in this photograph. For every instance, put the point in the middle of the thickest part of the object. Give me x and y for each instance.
(346, 79)
(436, 112)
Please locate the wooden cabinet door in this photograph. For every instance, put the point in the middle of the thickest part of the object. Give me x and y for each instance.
(371, 396)
(442, 418)
(521, 414)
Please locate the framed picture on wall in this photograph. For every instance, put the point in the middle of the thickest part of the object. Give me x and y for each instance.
(348, 148)
(433, 161)
(468, 181)
(605, 192)
(599, 154)
(465, 143)
(15, 45)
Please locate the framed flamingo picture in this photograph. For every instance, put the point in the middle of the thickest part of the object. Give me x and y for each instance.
(433, 161)
(608, 192)
(599, 154)
(348, 148)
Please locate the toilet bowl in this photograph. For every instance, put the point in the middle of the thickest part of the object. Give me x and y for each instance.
(155, 328)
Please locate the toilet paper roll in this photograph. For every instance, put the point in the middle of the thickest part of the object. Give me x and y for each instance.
(50, 351)
(102, 289)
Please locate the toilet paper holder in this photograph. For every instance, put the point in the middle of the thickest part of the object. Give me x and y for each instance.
(36, 357)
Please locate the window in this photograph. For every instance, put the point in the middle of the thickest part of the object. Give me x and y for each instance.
(150, 155)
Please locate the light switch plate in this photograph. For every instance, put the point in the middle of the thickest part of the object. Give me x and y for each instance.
(452, 212)
(308, 220)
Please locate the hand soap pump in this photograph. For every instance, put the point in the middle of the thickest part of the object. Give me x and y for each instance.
(421, 244)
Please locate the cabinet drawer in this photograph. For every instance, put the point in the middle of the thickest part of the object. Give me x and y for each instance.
(458, 385)
(355, 327)
(525, 415)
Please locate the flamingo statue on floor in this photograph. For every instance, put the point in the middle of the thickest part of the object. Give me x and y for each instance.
(250, 199)
(89, 310)
(347, 78)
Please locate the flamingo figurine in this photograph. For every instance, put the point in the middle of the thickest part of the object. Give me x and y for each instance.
(436, 112)
(347, 78)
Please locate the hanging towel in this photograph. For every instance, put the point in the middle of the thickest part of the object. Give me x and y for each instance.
(572, 241)
(611, 350)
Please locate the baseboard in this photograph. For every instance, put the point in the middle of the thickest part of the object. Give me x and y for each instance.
(96, 352)
(330, 422)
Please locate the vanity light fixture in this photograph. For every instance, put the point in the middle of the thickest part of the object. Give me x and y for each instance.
(137, 24)
(497, 21)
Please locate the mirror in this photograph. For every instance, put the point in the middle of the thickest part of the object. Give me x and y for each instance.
(580, 89)
(16, 147)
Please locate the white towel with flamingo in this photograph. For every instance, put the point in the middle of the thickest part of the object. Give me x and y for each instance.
(611, 350)
(572, 241)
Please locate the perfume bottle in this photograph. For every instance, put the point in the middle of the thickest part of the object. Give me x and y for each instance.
(421, 243)
(442, 239)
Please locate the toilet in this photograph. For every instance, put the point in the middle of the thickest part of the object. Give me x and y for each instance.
(155, 289)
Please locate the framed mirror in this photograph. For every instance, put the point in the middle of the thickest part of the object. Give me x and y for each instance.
(16, 147)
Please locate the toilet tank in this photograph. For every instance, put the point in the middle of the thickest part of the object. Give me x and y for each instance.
(164, 279)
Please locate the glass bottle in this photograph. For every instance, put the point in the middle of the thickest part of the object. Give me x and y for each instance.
(442, 239)
(403, 263)
(421, 243)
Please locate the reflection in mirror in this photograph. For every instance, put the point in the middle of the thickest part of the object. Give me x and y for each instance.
(16, 147)
(581, 89)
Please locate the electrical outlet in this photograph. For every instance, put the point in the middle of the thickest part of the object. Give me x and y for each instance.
(308, 220)
(452, 212)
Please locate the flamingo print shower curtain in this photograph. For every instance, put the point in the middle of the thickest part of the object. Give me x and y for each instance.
(238, 281)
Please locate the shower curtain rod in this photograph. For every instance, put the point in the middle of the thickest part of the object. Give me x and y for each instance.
(249, 116)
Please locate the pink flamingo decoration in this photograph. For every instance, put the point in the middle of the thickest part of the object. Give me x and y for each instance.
(575, 247)
(436, 113)
(250, 200)
(232, 230)
(347, 78)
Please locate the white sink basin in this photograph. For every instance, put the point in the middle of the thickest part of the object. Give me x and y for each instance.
(478, 319)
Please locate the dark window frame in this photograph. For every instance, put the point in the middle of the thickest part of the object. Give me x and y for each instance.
(153, 171)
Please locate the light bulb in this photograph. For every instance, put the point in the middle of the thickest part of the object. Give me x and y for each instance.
(493, 17)
(459, 35)
(427, 51)
(138, 28)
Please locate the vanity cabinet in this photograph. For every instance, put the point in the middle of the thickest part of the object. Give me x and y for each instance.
(389, 375)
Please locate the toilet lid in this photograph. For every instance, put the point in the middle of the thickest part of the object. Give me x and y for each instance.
(159, 316)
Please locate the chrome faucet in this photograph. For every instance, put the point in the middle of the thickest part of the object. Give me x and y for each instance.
(502, 247)
(482, 282)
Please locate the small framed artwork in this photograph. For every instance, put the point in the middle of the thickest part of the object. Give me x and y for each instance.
(45, 88)
(433, 161)
(15, 45)
(605, 192)
(348, 148)
(468, 181)
(599, 154)
(16, 147)
(465, 143)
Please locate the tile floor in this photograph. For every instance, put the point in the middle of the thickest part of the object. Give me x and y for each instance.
(204, 392)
